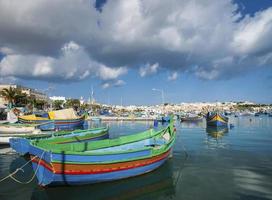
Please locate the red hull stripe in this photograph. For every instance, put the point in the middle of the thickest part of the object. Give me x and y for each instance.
(56, 168)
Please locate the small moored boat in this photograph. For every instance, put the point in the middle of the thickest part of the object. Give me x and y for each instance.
(216, 119)
(191, 118)
(104, 160)
(65, 119)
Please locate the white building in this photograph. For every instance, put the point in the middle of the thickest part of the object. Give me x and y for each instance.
(55, 98)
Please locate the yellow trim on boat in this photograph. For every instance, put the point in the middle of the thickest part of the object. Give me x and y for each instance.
(218, 118)
(32, 117)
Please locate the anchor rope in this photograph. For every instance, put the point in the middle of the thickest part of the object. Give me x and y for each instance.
(181, 166)
(21, 169)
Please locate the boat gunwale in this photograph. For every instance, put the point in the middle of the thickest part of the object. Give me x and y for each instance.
(154, 152)
(50, 120)
(89, 153)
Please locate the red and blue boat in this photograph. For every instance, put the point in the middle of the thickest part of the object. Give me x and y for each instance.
(21, 144)
(104, 160)
(65, 119)
(216, 119)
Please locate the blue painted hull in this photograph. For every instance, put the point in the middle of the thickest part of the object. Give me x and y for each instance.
(217, 123)
(61, 125)
(46, 177)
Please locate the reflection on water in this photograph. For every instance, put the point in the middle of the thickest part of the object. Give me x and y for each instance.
(221, 164)
(215, 137)
(217, 132)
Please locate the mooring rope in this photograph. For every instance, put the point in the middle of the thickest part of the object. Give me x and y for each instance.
(181, 166)
(21, 169)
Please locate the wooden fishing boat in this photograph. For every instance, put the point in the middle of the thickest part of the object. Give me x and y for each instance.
(216, 119)
(191, 118)
(21, 144)
(65, 119)
(104, 160)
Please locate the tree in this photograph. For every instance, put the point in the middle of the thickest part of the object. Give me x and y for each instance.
(40, 104)
(58, 104)
(10, 94)
(72, 103)
(84, 106)
(21, 99)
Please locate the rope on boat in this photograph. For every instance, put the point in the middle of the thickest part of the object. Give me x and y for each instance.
(21, 169)
(181, 166)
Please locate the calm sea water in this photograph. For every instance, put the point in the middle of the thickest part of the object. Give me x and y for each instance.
(209, 164)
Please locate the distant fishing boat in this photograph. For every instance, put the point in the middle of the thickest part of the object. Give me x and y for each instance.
(257, 114)
(247, 113)
(216, 119)
(65, 119)
(191, 118)
(163, 118)
(104, 160)
(96, 119)
(21, 144)
(227, 113)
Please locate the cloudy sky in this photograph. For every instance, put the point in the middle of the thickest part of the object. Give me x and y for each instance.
(195, 50)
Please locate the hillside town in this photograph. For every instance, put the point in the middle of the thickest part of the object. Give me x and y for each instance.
(29, 100)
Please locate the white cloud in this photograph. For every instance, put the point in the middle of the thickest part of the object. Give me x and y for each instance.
(174, 35)
(148, 69)
(115, 83)
(106, 73)
(173, 76)
(73, 64)
(254, 34)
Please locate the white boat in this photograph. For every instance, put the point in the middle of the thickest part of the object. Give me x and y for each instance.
(247, 113)
(16, 128)
(191, 117)
(4, 137)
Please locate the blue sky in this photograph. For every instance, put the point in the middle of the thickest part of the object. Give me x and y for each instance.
(123, 66)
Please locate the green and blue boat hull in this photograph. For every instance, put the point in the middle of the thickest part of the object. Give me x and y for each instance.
(104, 160)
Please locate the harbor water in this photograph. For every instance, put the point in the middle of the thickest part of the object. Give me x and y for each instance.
(230, 163)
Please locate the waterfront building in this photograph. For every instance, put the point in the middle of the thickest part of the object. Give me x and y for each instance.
(26, 90)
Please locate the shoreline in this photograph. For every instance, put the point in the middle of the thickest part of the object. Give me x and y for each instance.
(93, 118)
